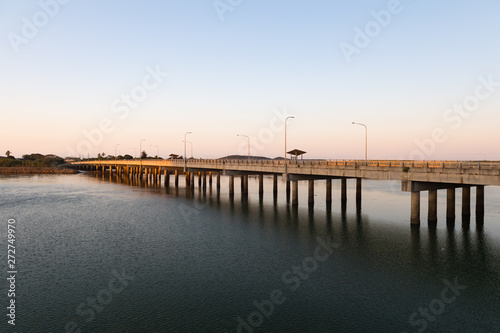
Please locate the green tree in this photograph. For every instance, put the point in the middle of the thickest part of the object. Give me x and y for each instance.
(7, 153)
(144, 154)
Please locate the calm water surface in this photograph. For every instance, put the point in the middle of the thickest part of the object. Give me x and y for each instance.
(100, 255)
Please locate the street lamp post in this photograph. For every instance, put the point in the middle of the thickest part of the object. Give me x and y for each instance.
(366, 138)
(191, 145)
(248, 143)
(285, 140)
(185, 159)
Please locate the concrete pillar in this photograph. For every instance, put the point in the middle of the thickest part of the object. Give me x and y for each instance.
(191, 180)
(245, 184)
(231, 186)
(287, 191)
(466, 202)
(176, 178)
(210, 180)
(199, 179)
(415, 208)
(450, 204)
(358, 190)
(261, 185)
(275, 186)
(295, 192)
(343, 190)
(310, 192)
(204, 181)
(480, 200)
(167, 178)
(242, 177)
(328, 190)
(218, 182)
(432, 206)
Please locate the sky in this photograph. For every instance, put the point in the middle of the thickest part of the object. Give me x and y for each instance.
(82, 77)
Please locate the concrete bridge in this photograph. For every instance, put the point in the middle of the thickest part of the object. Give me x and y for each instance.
(415, 177)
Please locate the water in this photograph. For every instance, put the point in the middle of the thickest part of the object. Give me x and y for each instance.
(158, 260)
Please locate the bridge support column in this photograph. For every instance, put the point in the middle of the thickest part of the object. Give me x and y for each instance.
(432, 207)
(480, 201)
(295, 192)
(176, 178)
(218, 182)
(210, 180)
(328, 190)
(466, 202)
(261, 185)
(450, 205)
(245, 185)
(310, 192)
(415, 208)
(167, 178)
(343, 190)
(358, 190)
(199, 179)
(204, 182)
(231, 186)
(275, 187)
(242, 184)
(287, 191)
(191, 180)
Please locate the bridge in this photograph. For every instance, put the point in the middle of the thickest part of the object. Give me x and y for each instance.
(415, 177)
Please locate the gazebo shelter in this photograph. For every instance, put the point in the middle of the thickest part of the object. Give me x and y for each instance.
(173, 156)
(294, 154)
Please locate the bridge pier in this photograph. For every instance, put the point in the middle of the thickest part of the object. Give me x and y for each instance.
(415, 208)
(343, 190)
(204, 182)
(295, 193)
(432, 207)
(261, 186)
(191, 180)
(231, 186)
(466, 202)
(218, 182)
(310, 192)
(176, 178)
(167, 178)
(450, 205)
(210, 180)
(479, 201)
(199, 179)
(358, 190)
(275, 186)
(328, 190)
(287, 191)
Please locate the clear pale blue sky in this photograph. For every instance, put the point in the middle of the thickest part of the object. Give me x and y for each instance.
(230, 76)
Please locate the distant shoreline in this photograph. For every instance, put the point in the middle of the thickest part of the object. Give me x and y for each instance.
(35, 170)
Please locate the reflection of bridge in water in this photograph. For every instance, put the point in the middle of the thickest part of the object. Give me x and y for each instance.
(416, 176)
